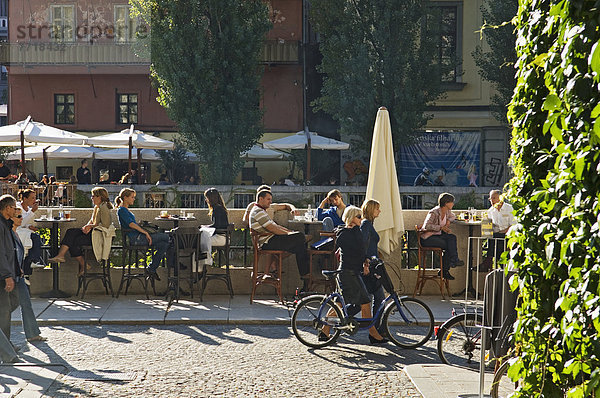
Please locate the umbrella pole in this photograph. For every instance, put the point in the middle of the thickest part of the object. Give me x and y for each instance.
(23, 152)
(45, 157)
(130, 147)
(139, 163)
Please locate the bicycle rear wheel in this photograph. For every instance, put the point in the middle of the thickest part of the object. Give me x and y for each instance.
(415, 330)
(459, 341)
(308, 326)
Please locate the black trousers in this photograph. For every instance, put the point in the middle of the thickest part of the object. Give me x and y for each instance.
(492, 249)
(75, 238)
(446, 242)
(292, 243)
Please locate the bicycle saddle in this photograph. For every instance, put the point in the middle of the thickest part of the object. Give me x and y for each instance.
(330, 274)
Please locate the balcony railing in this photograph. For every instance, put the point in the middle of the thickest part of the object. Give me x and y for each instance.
(280, 52)
(77, 53)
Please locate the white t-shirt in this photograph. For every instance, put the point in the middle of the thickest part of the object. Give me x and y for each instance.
(503, 218)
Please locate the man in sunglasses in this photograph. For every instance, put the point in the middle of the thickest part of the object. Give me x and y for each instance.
(9, 272)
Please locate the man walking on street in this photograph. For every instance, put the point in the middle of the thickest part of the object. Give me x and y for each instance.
(276, 237)
(9, 272)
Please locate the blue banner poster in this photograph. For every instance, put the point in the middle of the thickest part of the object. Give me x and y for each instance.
(441, 159)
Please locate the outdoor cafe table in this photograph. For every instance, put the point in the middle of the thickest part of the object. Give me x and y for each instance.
(296, 224)
(469, 285)
(54, 240)
(175, 220)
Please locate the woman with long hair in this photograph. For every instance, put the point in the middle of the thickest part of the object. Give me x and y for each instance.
(218, 213)
(137, 235)
(77, 237)
(371, 210)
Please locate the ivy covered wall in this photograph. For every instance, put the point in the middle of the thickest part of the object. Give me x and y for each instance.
(555, 191)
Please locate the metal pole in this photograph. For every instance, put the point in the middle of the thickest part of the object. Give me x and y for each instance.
(25, 124)
(130, 148)
(304, 86)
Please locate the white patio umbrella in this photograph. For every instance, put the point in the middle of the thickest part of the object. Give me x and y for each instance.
(54, 152)
(130, 138)
(29, 131)
(259, 153)
(383, 184)
(308, 140)
(145, 154)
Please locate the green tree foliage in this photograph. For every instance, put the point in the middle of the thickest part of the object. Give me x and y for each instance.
(497, 64)
(173, 162)
(205, 64)
(555, 191)
(374, 54)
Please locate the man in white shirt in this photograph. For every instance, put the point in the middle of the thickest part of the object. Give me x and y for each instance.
(276, 237)
(502, 217)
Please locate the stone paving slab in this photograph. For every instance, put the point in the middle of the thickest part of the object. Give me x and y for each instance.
(445, 381)
(75, 311)
(263, 310)
(28, 380)
(212, 310)
(39, 305)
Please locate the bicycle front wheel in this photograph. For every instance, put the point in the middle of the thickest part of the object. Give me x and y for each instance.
(501, 385)
(314, 330)
(459, 341)
(410, 325)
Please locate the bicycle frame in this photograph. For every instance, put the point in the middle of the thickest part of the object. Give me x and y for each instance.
(372, 321)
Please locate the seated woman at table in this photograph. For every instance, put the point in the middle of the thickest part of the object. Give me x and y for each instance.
(353, 263)
(218, 213)
(437, 233)
(77, 237)
(28, 232)
(138, 236)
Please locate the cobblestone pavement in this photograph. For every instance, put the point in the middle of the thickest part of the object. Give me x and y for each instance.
(222, 361)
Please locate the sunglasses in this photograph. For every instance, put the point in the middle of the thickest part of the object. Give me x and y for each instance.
(19, 216)
(359, 216)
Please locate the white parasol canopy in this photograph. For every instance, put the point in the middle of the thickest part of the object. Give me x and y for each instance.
(54, 152)
(259, 153)
(145, 154)
(27, 130)
(130, 138)
(383, 184)
(300, 141)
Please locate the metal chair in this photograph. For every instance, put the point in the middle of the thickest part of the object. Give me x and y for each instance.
(260, 277)
(329, 257)
(84, 280)
(222, 251)
(133, 254)
(425, 274)
(187, 249)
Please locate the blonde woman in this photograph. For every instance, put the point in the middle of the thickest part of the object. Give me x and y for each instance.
(138, 236)
(77, 237)
(353, 263)
(371, 210)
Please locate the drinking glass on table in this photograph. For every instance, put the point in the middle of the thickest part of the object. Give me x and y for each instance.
(67, 214)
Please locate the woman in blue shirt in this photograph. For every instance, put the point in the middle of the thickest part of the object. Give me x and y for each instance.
(371, 210)
(138, 236)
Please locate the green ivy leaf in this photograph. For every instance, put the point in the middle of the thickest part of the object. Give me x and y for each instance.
(594, 60)
(551, 103)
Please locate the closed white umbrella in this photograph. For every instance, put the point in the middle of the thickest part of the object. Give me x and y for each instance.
(259, 153)
(383, 184)
(308, 140)
(54, 152)
(130, 138)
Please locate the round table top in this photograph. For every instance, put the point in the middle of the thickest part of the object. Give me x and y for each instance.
(171, 218)
(55, 219)
(304, 221)
(467, 222)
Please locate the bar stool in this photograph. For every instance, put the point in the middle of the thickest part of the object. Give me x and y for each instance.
(222, 252)
(133, 254)
(260, 277)
(425, 274)
(84, 280)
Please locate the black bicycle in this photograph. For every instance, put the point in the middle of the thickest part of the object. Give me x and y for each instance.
(408, 321)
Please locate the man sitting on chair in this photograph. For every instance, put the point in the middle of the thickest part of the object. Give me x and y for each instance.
(276, 237)
(502, 218)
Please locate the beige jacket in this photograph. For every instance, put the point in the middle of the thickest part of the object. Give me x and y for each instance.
(102, 241)
(433, 222)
